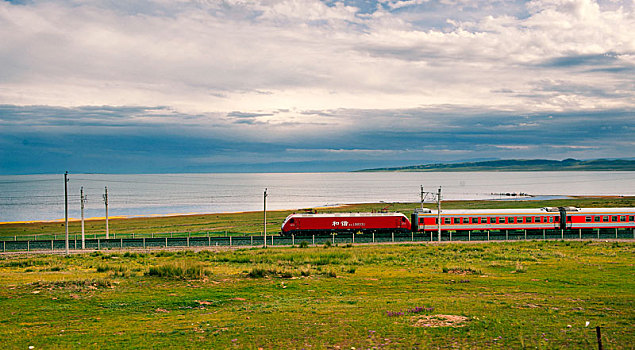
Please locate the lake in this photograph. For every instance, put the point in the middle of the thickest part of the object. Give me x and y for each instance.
(41, 197)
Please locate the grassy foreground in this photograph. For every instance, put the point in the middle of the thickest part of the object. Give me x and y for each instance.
(486, 295)
(251, 222)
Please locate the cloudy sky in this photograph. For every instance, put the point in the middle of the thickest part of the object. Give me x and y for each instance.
(308, 85)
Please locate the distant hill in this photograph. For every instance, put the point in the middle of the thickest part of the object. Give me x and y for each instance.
(523, 165)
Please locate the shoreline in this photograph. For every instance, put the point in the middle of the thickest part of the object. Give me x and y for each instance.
(324, 207)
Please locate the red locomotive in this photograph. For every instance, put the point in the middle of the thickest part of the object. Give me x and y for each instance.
(345, 222)
(424, 220)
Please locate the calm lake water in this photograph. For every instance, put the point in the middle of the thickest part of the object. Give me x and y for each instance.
(41, 197)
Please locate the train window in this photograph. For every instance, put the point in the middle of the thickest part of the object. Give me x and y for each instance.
(466, 220)
(291, 221)
(519, 220)
(587, 219)
(551, 219)
(421, 220)
(622, 218)
(436, 221)
(447, 221)
(501, 220)
(557, 219)
(529, 219)
(605, 219)
(484, 220)
(596, 219)
(457, 220)
(538, 218)
(475, 220)
(568, 219)
(614, 218)
(631, 218)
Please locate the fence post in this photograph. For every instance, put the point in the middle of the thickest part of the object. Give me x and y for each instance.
(75, 242)
(120, 243)
(292, 239)
(580, 232)
(51, 245)
(3, 246)
(272, 240)
(616, 233)
(544, 234)
(393, 236)
(413, 236)
(98, 244)
(525, 235)
(152, 235)
(353, 237)
(598, 233)
(314, 237)
(230, 241)
(430, 236)
(209, 240)
(144, 243)
(373, 237)
(187, 239)
(252, 239)
(469, 235)
(507, 235)
(561, 234)
(450, 236)
(28, 245)
(333, 235)
(488, 235)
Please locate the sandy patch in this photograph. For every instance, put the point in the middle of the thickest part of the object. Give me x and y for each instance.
(439, 321)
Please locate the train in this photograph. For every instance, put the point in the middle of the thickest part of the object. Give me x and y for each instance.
(427, 220)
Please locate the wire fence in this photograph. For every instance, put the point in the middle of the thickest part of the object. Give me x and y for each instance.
(149, 241)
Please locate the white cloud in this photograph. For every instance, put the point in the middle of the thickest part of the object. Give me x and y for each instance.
(262, 56)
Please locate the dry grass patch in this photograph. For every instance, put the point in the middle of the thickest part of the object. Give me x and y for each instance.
(453, 321)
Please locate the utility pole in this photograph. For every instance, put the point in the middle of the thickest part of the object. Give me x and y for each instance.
(264, 222)
(439, 212)
(66, 208)
(82, 200)
(422, 193)
(106, 203)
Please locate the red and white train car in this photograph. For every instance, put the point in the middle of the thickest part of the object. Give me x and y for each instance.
(524, 219)
(345, 222)
(590, 218)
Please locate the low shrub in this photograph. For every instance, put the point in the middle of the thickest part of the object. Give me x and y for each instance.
(179, 270)
(461, 270)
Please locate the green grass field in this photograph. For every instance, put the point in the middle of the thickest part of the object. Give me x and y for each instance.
(480, 295)
(251, 222)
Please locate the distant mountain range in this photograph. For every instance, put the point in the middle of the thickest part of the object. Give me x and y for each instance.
(522, 165)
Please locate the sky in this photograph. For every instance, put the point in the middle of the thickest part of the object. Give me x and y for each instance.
(169, 86)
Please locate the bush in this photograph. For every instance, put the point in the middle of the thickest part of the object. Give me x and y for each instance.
(461, 270)
(327, 244)
(179, 271)
(304, 244)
